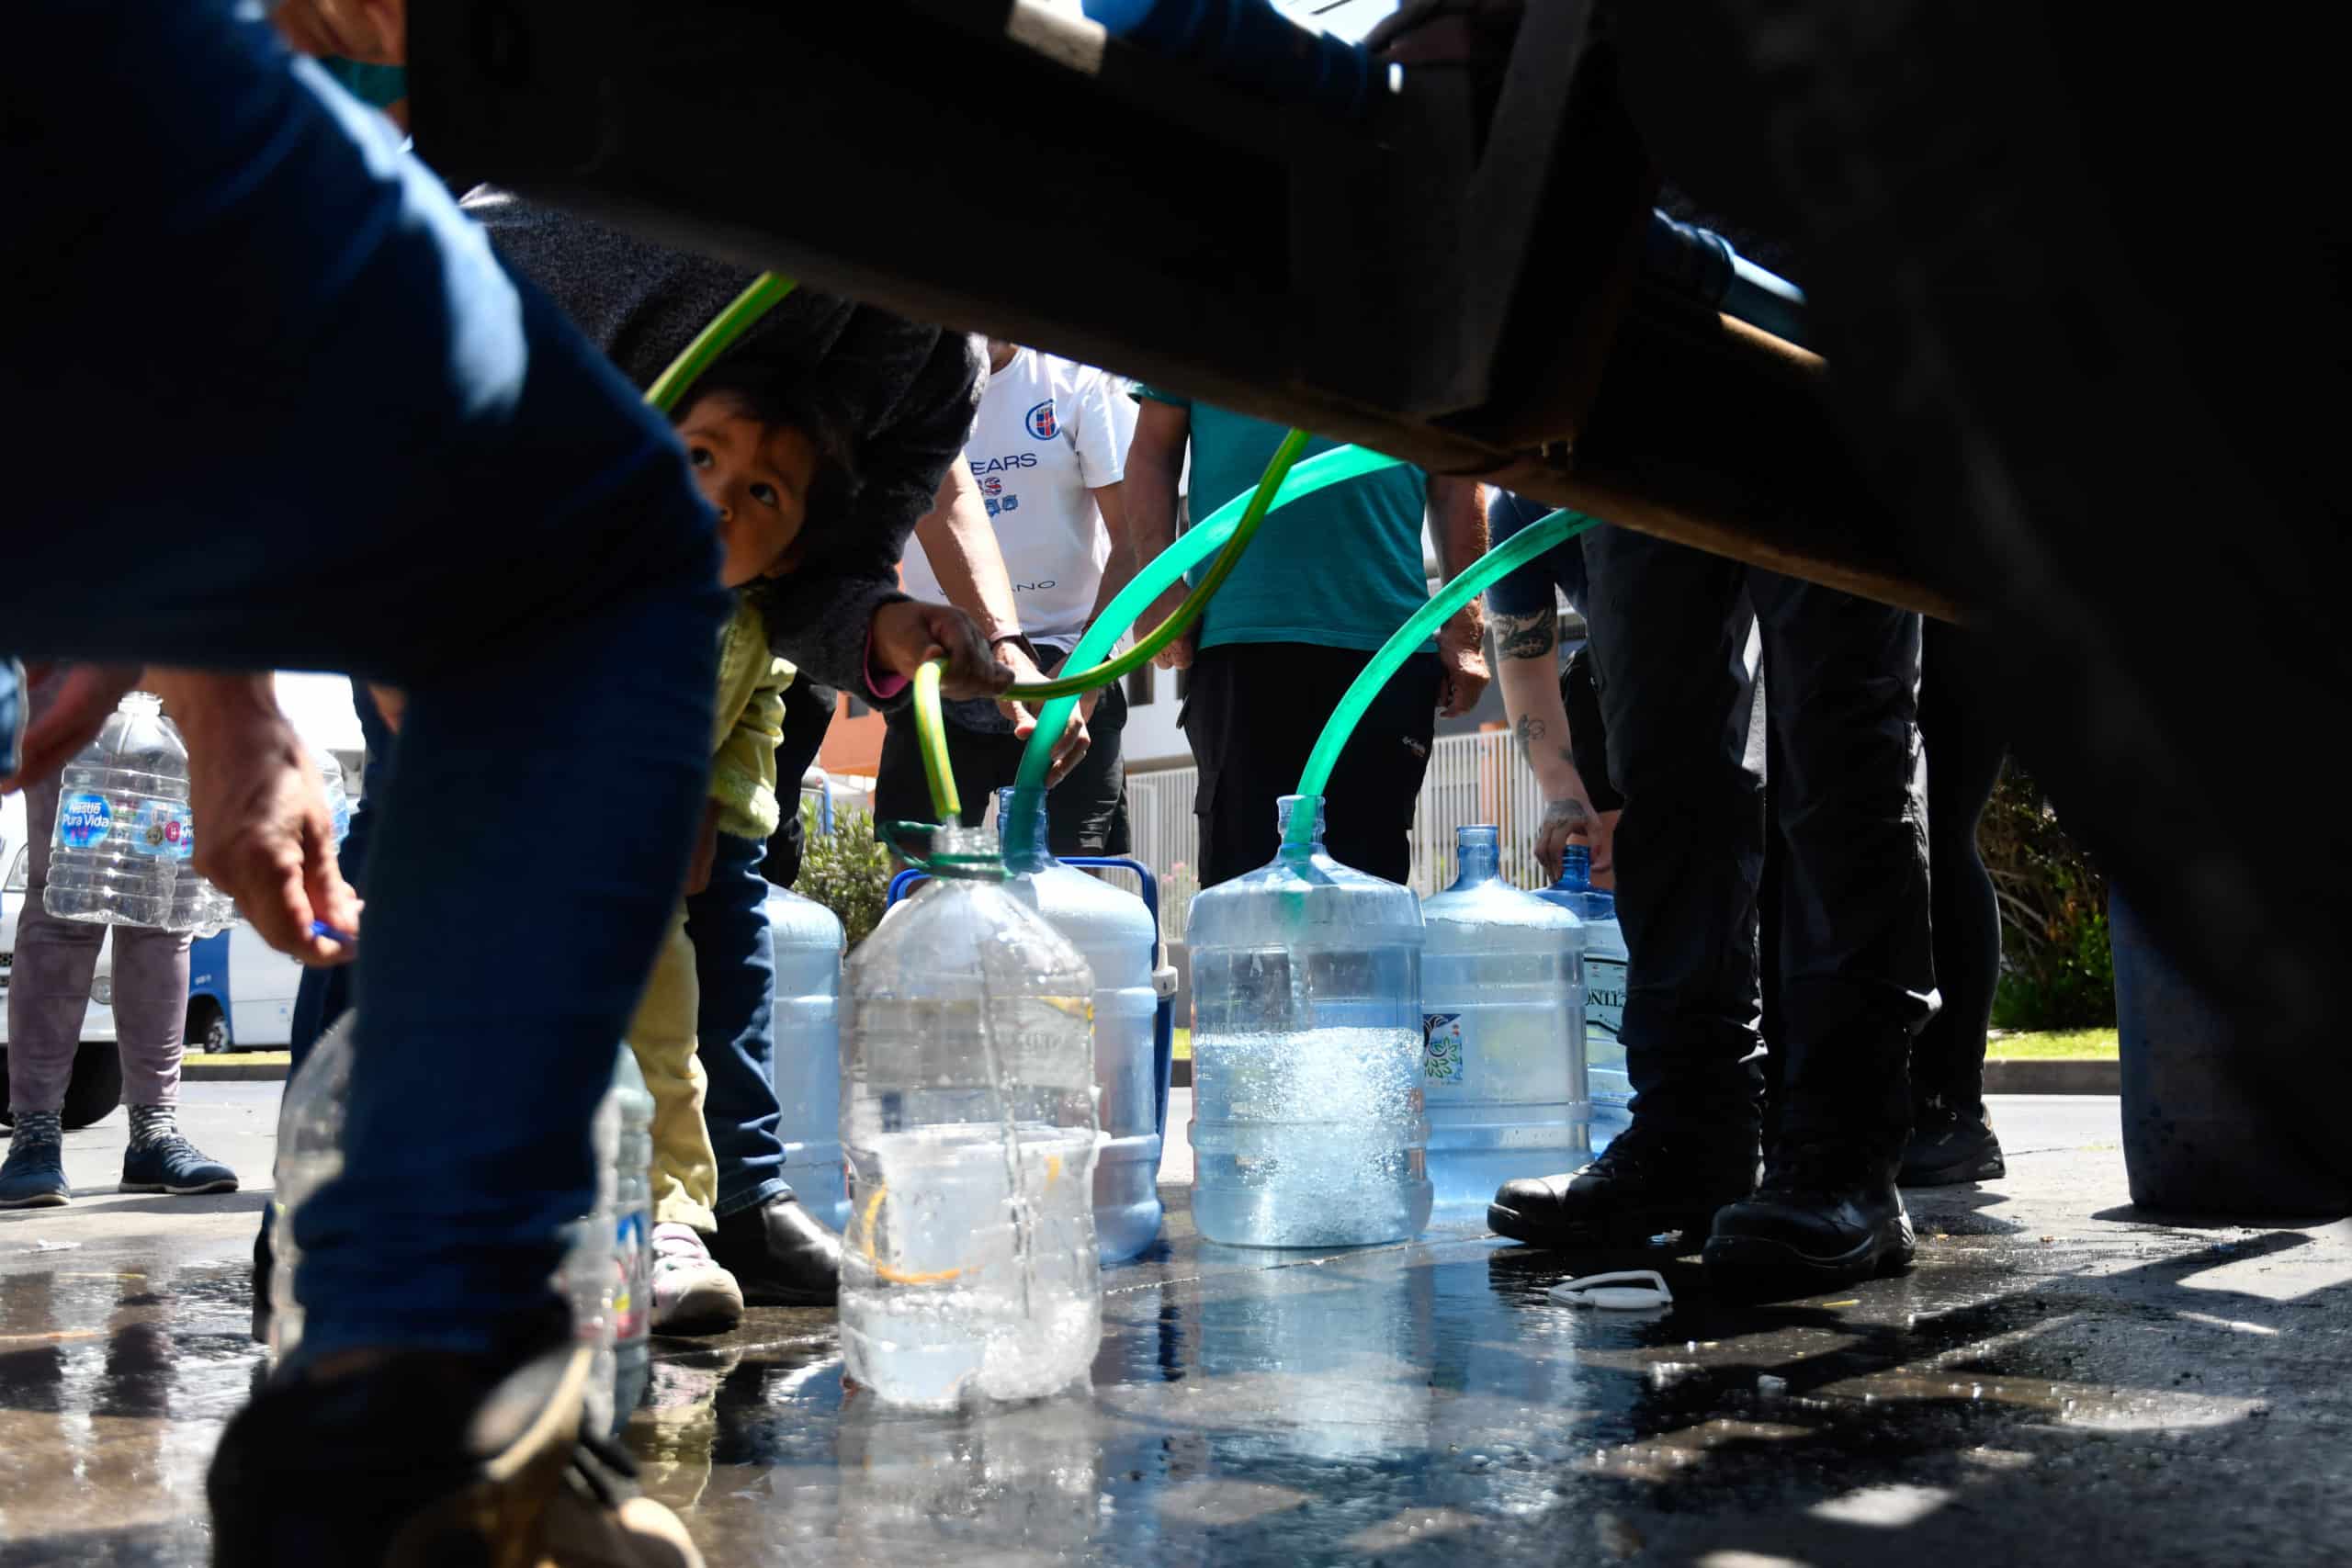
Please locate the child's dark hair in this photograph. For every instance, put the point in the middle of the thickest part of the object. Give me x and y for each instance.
(778, 393)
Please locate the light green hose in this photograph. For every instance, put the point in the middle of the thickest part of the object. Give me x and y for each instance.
(764, 293)
(1515, 551)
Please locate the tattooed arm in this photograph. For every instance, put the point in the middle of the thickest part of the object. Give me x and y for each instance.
(1529, 668)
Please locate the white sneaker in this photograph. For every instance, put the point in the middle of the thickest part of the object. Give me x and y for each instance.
(691, 1294)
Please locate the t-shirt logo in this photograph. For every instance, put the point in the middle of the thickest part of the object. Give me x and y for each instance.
(1041, 421)
(991, 486)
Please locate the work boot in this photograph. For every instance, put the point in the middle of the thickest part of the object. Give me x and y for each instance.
(34, 1174)
(1949, 1147)
(1640, 1187)
(425, 1458)
(691, 1294)
(781, 1254)
(1827, 1216)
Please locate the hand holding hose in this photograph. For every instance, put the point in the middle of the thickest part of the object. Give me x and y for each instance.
(907, 634)
(1071, 746)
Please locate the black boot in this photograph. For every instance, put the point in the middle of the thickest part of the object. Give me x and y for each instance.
(1641, 1186)
(264, 1263)
(1949, 1147)
(420, 1460)
(1827, 1216)
(781, 1254)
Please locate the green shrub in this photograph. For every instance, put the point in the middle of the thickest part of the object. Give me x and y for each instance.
(846, 869)
(2056, 969)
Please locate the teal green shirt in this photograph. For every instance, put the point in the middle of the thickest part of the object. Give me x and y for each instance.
(1341, 569)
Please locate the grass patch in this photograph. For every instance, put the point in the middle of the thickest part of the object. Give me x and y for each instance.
(2055, 1045)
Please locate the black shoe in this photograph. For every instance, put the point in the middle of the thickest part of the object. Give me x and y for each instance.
(781, 1254)
(1827, 1216)
(265, 1264)
(425, 1458)
(1948, 1148)
(171, 1164)
(1639, 1187)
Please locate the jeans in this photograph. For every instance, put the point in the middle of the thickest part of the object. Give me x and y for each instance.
(323, 994)
(735, 1028)
(1670, 629)
(49, 990)
(337, 435)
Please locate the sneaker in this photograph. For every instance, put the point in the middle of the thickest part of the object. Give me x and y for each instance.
(691, 1294)
(1948, 1148)
(1827, 1216)
(784, 1255)
(171, 1164)
(425, 1459)
(1640, 1187)
(34, 1175)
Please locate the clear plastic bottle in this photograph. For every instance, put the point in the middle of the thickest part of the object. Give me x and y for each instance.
(632, 1240)
(1120, 942)
(338, 798)
(1502, 1012)
(309, 1154)
(807, 1064)
(969, 1269)
(122, 821)
(1604, 992)
(1308, 1127)
(196, 905)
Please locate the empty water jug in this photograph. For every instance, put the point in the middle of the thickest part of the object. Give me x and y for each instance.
(1308, 1121)
(1120, 942)
(1502, 1012)
(122, 821)
(1604, 992)
(968, 1267)
(806, 1068)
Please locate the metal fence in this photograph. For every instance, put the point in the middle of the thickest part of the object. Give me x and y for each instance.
(1471, 779)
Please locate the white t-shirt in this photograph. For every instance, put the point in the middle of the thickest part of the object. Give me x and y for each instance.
(1048, 433)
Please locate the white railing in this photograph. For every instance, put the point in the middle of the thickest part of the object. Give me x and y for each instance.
(1471, 779)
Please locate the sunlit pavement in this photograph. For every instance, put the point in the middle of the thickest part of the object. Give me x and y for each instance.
(2059, 1381)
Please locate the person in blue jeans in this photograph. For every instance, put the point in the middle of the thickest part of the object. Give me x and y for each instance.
(290, 412)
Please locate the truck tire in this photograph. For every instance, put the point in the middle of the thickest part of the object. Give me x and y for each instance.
(91, 1094)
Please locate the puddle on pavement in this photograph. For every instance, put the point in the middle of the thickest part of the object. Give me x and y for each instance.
(1408, 1403)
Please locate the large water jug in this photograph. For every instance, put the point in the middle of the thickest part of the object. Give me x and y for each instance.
(969, 1269)
(1308, 1121)
(806, 1068)
(1120, 942)
(309, 1154)
(1502, 1014)
(122, 821)
(632, 1270)
(196, 905)
(1604, 992)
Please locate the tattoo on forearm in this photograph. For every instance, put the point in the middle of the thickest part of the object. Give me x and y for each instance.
(1568, 814)
(1525, 636)
(1530, 730)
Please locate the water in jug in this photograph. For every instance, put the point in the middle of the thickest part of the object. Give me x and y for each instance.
(1604, 992)
(806, 1068)
(122, 821)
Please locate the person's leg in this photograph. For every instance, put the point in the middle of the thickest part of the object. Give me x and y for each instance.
(779, 1253)
(1960, 725)
(807, 714)
(1086, 814)
(1242, 717)
(1670, 636)
(48, 993)
(150, 1024)
(1857, 973)
(1368, 817)
(692, 1294)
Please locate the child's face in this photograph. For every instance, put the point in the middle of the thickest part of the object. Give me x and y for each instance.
(757, 477)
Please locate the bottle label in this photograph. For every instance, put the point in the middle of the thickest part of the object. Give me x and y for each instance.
(160, 829)
(1604, 994)
(1441, 1047)
(82, 820)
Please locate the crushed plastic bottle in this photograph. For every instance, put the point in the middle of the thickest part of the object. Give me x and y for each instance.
(123, 829)
(1502, 1013)
(309, 1154)
(969, 1269)
(1120, 942)
(632, 1303)
(1604, 991)
(1308, 1127)
(806, 1068)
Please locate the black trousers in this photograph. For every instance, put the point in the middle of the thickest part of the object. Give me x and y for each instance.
(1962, 723)
(1670, 628)
(1253, 711)
(1086, 814)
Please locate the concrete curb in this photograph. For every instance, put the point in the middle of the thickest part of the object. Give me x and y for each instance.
(2000, 1078)
(203, 1069)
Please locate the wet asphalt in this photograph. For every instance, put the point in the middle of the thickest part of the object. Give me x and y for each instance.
(2061, 1380)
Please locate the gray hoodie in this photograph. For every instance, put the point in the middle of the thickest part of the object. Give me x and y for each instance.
(905, 394)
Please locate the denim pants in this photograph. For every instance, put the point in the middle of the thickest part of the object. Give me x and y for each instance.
(290, 412)
(735, 969)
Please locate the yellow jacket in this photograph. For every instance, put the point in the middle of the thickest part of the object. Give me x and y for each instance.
(748, 726)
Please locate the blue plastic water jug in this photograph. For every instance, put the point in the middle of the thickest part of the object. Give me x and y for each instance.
(808, 1066)
(1604, 992)
(1308, 1127)
(1502, 1016)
